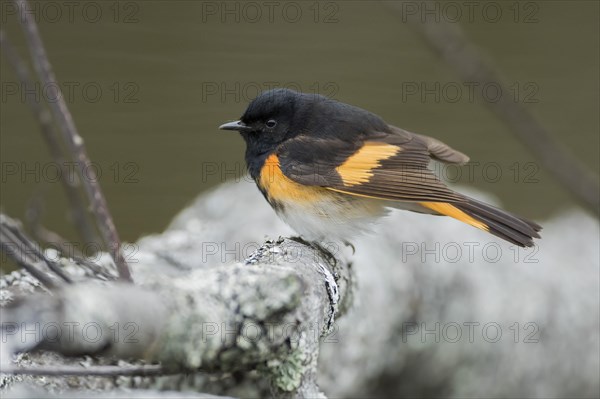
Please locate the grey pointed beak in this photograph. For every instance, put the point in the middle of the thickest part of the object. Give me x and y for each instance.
(237, 125)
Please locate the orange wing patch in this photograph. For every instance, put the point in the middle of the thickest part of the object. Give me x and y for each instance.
(447, 209)
(358, 168)
(280, 188)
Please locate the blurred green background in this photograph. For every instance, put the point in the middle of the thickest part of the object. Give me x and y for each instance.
(148, 83)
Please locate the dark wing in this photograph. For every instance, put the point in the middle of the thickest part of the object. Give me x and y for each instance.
(385, 165)
(393, 166)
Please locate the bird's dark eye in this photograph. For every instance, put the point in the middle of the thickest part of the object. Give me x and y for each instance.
(271, 123)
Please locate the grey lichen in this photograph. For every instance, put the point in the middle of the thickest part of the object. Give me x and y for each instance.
(247, 316)
(287, 373)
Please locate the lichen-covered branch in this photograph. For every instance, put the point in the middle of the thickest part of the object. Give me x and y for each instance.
(267, 314)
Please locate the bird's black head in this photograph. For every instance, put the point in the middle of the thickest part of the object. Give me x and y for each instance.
(271, 118)
(278, 115)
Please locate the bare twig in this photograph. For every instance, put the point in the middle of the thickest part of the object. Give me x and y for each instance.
(71, 184)
(20, 259)
(33, 224)
(449, 41)
(168, 314)
(95, 269)
(74, 141)
(54, 240)
(25, 252)
(101, 371)
(35, 249)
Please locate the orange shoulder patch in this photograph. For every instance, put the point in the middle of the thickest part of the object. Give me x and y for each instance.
(281, 188)
(358, 168)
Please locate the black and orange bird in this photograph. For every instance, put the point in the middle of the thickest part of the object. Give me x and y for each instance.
(330, 169)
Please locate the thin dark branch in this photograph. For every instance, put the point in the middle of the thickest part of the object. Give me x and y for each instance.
(74, 141)
(68, 251)
(94, 268)
(21, 260)
(101, 371)
(77, 207)
(33, 223)
(14, 250)
(24, 251)
(450, 42)
(54, 240)
(35, 249)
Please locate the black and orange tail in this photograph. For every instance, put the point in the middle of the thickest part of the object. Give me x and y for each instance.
(500, 223)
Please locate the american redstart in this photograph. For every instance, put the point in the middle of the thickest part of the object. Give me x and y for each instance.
(329, 169)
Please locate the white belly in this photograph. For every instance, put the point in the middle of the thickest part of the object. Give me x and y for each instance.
(334, 219)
